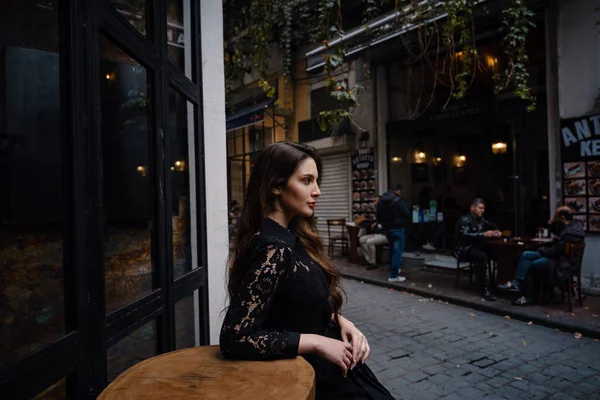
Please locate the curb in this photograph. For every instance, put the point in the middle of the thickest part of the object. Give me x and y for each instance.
(480, 306)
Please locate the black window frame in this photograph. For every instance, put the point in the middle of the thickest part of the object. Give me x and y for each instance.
(80, 355)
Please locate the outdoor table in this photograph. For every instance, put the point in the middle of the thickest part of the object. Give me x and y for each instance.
(353, 230)
(505, 254)
(203, 373)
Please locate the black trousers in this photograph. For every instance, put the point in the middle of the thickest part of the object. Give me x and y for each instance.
(480, 258)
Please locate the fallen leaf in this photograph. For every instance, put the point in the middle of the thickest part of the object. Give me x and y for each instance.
(530, 323)
(572, 314)
(578, 335)
(491, 334)
(412, 284)
(518, 378)
(472, 315)
(586, 308)
(524, 343)
(507, 317)
(547, 316)
(595, 315)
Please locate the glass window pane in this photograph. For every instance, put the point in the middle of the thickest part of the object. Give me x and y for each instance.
(179, 38)
(133, 11)
(186, 320)
(183, 188)
(137, 347)
(58, 391)
(126, 125)
(31, 185)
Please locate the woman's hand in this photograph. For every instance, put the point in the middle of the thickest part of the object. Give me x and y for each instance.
(360, 346)
(334, 351)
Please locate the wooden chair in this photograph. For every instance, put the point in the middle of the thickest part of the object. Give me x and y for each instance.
(574, 253)
(470, 266)
(490, 269)
(336, 230)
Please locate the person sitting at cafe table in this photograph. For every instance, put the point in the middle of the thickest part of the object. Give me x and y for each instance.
(549, 258)
(471, 229)
(372, 239)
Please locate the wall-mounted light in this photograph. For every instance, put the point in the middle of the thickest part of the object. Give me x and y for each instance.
(109, 76)
(179, 165)
(460, 160)
(396, 159)
(499, 148)
(141, 170)
(437, 160)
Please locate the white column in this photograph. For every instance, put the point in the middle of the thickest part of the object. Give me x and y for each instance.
(215, 158)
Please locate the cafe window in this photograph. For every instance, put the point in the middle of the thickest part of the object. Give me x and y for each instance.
(102, 256)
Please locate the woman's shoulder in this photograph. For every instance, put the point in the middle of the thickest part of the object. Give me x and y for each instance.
(262, 242)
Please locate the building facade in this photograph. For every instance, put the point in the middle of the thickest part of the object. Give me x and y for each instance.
(104, 257)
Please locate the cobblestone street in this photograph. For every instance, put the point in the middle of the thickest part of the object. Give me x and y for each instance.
(424, 349)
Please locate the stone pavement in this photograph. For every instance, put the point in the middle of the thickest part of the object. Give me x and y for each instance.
(439, 283)
(428, 349)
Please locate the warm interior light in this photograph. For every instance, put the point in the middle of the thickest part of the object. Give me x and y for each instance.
(462, 158)
(491, 61)
(421, 155)
(396, 159)
(141, 170)
(499, 148)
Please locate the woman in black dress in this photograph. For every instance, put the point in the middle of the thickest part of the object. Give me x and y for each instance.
(285, 295)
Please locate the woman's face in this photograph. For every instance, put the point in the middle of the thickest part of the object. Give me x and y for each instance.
(300, 195)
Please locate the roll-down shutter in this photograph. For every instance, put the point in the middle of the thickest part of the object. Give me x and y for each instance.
(334, 199)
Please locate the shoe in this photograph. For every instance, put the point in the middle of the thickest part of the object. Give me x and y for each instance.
(428, 246)
(487, 295)
(521, 301)
(371, 267)
(397, 279)
(511, 286)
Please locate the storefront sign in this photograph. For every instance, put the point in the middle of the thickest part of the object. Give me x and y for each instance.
(580, 146)
(364, 184)
(581, 137)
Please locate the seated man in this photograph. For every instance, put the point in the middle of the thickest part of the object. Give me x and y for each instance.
(548, 258)
(471, 229)
(371, 240)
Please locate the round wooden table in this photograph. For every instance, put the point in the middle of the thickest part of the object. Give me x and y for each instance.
(202, 373)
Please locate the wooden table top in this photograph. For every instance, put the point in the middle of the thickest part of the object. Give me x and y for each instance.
(202, 373)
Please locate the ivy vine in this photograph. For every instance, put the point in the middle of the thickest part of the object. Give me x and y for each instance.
(442, 40)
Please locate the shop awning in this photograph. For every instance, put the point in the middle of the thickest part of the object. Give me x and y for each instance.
(377, 32)
(247, 115)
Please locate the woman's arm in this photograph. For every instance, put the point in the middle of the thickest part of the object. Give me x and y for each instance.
(243, 335)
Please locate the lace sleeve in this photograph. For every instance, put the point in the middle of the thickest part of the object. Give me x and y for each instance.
(243, 335)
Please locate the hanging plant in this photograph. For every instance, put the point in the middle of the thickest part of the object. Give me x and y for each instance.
(516, 24)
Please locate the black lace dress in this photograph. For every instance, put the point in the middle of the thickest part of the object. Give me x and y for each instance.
(285, 293)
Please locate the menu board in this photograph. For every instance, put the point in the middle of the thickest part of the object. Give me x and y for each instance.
(364, 184)
(580, 145)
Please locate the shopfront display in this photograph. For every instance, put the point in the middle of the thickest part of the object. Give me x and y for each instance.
(580, 146)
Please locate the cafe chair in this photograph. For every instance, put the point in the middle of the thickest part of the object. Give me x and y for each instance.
(459, 268)
(574, 253)
(471, 266)
(336, 231)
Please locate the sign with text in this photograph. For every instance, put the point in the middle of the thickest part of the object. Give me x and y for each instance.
(580, 147)
(364, 184)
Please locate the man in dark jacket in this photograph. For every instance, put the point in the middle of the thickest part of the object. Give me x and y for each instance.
(549, 258)
(470, 231)
(392, 215)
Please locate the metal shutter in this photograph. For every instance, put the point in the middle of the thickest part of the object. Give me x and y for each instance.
(335, 192)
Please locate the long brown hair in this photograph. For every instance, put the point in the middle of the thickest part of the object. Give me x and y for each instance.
(273, 168)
